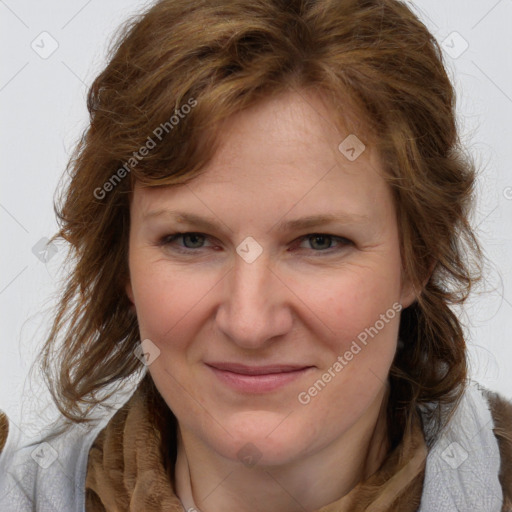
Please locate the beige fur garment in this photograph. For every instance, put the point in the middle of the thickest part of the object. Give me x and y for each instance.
(127, 469)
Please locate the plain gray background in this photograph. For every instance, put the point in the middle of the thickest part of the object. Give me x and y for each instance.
(51, 52)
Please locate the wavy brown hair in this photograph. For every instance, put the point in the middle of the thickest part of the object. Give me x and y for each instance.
(372, 57)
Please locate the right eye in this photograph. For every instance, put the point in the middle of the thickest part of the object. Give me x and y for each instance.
(191, 241)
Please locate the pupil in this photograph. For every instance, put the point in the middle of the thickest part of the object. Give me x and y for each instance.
(196, 240)
(323, 238)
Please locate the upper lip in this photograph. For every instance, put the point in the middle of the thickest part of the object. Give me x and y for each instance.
(257, 370)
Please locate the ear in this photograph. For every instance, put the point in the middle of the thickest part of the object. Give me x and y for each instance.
(409, 293)
(129, 293)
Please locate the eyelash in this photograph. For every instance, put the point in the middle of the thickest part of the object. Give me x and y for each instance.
(167, 240)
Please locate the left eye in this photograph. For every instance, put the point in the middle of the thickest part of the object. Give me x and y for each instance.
(321, 241)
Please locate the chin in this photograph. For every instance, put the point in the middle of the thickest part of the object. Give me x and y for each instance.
(260, 437)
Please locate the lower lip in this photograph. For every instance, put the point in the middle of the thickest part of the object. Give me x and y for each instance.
(258, 383)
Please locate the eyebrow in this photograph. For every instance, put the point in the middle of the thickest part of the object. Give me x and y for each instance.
(290, 225)
(317, 220)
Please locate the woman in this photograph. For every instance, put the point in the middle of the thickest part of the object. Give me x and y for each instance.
(269, 223)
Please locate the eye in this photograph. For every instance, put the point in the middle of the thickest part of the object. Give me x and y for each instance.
(320, 242)
(189, 240)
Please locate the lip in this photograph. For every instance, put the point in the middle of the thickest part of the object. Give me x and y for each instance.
(257, 379)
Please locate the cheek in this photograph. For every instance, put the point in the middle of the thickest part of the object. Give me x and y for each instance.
(166, 300)
(349, 302)
(362, 311)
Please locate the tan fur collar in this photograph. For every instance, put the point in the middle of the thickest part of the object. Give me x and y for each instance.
(126, 470)
(501, 411)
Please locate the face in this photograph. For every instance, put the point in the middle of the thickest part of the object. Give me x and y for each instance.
(275, 316)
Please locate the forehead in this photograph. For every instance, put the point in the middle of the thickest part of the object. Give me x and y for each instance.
(290, 128)
(280, 153)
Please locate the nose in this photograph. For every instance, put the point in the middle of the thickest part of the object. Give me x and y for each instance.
(255, 308)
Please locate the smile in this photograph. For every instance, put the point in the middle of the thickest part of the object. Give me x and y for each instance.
(257, 379)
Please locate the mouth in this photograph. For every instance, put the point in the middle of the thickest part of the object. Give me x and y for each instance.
(257, 379)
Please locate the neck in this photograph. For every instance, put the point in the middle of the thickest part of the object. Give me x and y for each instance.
(207, 482)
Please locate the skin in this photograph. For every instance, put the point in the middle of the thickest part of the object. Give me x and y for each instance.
(302, 301)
